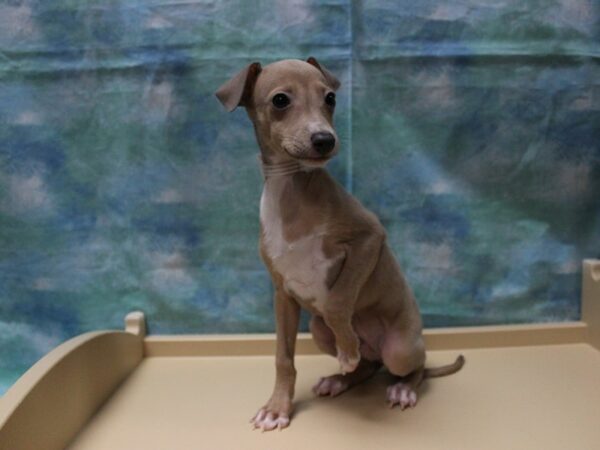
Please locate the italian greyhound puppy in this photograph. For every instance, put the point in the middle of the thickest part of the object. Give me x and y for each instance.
(325, 252)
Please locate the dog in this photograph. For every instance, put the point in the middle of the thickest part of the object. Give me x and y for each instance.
(325, 251)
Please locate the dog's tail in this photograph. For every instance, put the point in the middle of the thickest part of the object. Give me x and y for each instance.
(445, 370)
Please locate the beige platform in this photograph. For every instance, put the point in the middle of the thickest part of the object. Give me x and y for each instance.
(523, 387)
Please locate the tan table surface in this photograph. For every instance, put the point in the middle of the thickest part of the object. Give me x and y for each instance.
(545, 397)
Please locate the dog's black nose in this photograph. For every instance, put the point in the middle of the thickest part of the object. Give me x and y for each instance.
(323, 142)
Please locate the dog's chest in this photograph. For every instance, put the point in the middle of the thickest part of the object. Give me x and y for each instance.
(302, 263)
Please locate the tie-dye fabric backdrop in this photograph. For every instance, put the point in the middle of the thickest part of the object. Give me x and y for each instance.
(470, 127)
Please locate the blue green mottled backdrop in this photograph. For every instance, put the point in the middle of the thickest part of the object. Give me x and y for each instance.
(470, 127)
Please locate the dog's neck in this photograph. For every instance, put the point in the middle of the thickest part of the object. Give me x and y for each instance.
(278, 169)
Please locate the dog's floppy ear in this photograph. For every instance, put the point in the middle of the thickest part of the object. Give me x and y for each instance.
(238, 91)
(331, 79)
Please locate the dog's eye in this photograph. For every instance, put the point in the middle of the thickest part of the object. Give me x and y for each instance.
(280, 101)
(330, 99)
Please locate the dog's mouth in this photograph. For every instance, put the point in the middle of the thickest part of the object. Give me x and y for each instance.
(315, 158)
(311, 160)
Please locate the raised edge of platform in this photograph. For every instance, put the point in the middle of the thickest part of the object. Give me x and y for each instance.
(590, 300)
(435, 339)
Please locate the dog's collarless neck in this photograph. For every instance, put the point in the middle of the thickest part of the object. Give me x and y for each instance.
(278, 169)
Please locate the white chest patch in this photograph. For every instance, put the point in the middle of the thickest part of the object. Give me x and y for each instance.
(301, 263)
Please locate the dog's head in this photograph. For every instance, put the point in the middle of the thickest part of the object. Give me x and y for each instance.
(291, 105)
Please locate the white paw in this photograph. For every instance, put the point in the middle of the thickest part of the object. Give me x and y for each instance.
(401, 394)
(332, 386)
(347, 363)
(269, 420)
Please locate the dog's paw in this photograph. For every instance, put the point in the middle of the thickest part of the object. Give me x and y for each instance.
(275, 414)
(333, 385)
(348, 362)
(268, 420)
(401, 394)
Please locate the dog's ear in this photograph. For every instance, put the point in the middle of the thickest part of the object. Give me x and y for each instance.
(238, 91)
(331, 79)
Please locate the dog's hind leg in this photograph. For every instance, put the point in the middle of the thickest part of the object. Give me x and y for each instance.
(403, 354)
(334, 385)
(404, 393)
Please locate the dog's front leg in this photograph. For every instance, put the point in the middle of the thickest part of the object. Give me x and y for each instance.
(276, 413)
(362, 254)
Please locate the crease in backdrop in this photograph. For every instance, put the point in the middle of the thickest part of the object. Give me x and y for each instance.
(469, 127)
